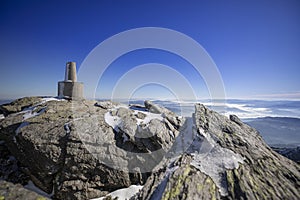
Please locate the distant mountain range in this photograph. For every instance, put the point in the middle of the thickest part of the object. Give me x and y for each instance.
(278, 131)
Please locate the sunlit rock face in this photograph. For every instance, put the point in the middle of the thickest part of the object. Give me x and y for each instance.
(227, 160)
(80, 149)
(84, 149)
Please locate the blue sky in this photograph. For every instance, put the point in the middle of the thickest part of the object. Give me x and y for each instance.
(254, 44)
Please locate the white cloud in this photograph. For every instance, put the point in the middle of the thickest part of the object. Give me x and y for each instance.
(284, 95)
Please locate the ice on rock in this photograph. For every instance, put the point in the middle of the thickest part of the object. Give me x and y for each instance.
(213, 160)
(123, 194)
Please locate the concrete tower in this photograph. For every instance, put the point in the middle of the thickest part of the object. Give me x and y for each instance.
(70, 74)
(70, 88)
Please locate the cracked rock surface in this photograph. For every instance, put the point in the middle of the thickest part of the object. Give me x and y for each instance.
(247, 167)
(85, 149)
(69, 150)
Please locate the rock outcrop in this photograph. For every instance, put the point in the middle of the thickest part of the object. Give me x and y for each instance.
(85, 149)
(228, 160)
(10, 191)
(82, 149)
(10, 168)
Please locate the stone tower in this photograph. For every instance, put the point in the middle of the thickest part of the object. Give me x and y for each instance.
(70, 88)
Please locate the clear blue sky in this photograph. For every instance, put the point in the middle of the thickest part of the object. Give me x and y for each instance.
(255, 44)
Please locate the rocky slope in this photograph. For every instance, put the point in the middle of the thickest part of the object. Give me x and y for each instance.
(85, 149)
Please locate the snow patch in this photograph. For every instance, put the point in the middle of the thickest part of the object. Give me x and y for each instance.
(46, 99)
(2, 116)
(116, 121)
(113, 121)
(124, 193)
(29, 113)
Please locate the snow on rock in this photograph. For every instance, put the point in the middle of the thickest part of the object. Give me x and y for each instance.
(213, 160)
(123, 194)
(113, 121)
(46, 99)
(116, 121)
(2, 116)
(30, 113)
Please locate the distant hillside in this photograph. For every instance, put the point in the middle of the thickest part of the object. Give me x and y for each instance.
(278, 130)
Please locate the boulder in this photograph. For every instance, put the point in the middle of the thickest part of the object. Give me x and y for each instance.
(227, 160)
(175, 120)
(69, 148)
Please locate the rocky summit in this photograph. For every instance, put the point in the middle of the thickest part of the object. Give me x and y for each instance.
(67, 149)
